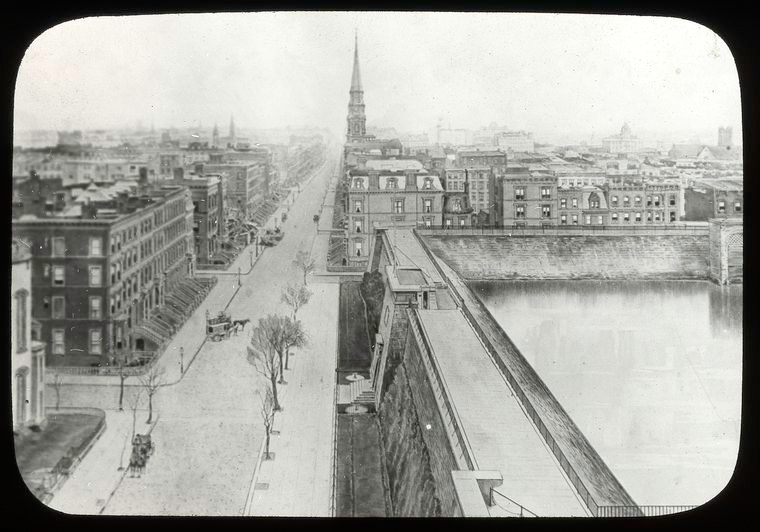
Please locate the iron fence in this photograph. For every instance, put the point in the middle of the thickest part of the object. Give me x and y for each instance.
(641, 511)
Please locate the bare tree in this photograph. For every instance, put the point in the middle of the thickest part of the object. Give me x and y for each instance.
(305, 263)
(151, 382)
(267, 416)
(293, 336)
(134, 403)
(264, 357)
(57, 383)
(295, 297)
(121, 362)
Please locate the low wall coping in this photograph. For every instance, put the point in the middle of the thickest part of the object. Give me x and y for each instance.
(473, 490)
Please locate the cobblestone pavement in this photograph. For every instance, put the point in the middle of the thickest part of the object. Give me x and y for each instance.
(210, 431)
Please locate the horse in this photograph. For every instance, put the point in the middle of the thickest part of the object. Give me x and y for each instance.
(239, 323)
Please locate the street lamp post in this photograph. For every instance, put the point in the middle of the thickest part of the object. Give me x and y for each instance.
(240, 283)
(181, 360)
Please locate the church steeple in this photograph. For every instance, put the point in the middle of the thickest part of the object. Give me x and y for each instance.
(232, 130)
(356, 119)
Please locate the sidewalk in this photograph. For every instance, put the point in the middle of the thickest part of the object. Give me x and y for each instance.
(97, 475)
(297, 482)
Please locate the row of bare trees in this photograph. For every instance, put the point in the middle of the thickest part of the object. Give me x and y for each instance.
(272, 340)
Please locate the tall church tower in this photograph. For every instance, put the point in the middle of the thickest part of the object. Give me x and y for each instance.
(357, 121)
(215, 137)
(232, 139)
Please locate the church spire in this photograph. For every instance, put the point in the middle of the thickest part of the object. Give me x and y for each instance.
(356, 79)
(356, 119)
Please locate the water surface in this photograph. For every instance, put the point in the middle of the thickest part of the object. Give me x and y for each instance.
(649, 371)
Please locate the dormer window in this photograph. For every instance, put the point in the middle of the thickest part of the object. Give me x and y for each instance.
(428, 183)
(392, 182)
(457, 205)
(358, 182)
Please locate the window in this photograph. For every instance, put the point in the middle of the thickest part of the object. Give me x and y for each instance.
(519, 193)
(638, 217)
(96, 276)
(721, 206)
(427, 205)
(614, 217)
(21, 324)
(358, 183)
(427, 222)
(614, 201)
(599, 220)
(448, 222)
(637, 201)
(671, 200)
(575, 203)
(575, 219)
(738, 206)
(672, 216)
(649, 217)
(649, 201)
(593, 200)
(457, 205)
(46, 270)
(657, 217)
(626, 201)
(357, 206)
(587, 219)
(96, 311)
(546, 193)
(546, 211)
(656, 200)
(563, 219)
(461, 221)
(563, 203)
(358, 248)
(59, 308)
(428, 183)
(392, 182)
(59, 277)
(95, 342)
(519, 211)
(626, 217)
(398, 206)
(59, 347)
(358, 226)
(59, 246)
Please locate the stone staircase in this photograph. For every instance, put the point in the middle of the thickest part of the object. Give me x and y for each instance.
(356, 392)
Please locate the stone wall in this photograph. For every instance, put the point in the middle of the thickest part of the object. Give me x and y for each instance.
(575, 257)
(418, 460)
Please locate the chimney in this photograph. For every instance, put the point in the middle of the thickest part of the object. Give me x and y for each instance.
(374, 180)
(143, 179)
(179, 173)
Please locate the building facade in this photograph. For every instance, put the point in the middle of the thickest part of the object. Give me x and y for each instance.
(388, 199)
(98, 277)
(27, 354)
(529, 200)
(246, 184)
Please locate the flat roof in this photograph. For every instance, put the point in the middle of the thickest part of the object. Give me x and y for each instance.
(410, 277)
(500, 434)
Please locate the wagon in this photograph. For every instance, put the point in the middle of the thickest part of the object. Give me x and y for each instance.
(219, 328)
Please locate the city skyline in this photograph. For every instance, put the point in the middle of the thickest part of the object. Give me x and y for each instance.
(184, 70)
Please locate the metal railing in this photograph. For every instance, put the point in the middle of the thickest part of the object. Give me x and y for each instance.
(522, 510)
(641, 511)
(147, 357)
(555, 230)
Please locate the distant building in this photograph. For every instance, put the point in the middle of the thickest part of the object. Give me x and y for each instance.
(27, 355)
(246, 184)
(515, 141)
(724, 137)
(209, 231)
(529, 200)
(453, 137)
(625, 142)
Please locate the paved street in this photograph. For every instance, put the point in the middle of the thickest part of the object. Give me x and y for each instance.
(210, 430)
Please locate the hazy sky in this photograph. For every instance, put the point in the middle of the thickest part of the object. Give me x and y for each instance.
(550, 74)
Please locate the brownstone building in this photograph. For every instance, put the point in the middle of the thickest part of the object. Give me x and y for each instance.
(111, 272)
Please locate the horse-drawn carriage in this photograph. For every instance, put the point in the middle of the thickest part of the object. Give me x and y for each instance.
(222, 326)
(219, 327)
(142, 449)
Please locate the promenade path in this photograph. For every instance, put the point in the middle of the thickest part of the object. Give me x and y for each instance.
(209, 432)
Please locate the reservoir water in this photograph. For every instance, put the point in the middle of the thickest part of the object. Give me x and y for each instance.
(650, 371)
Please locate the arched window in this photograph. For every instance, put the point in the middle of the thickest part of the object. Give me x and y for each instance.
(22, 298)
